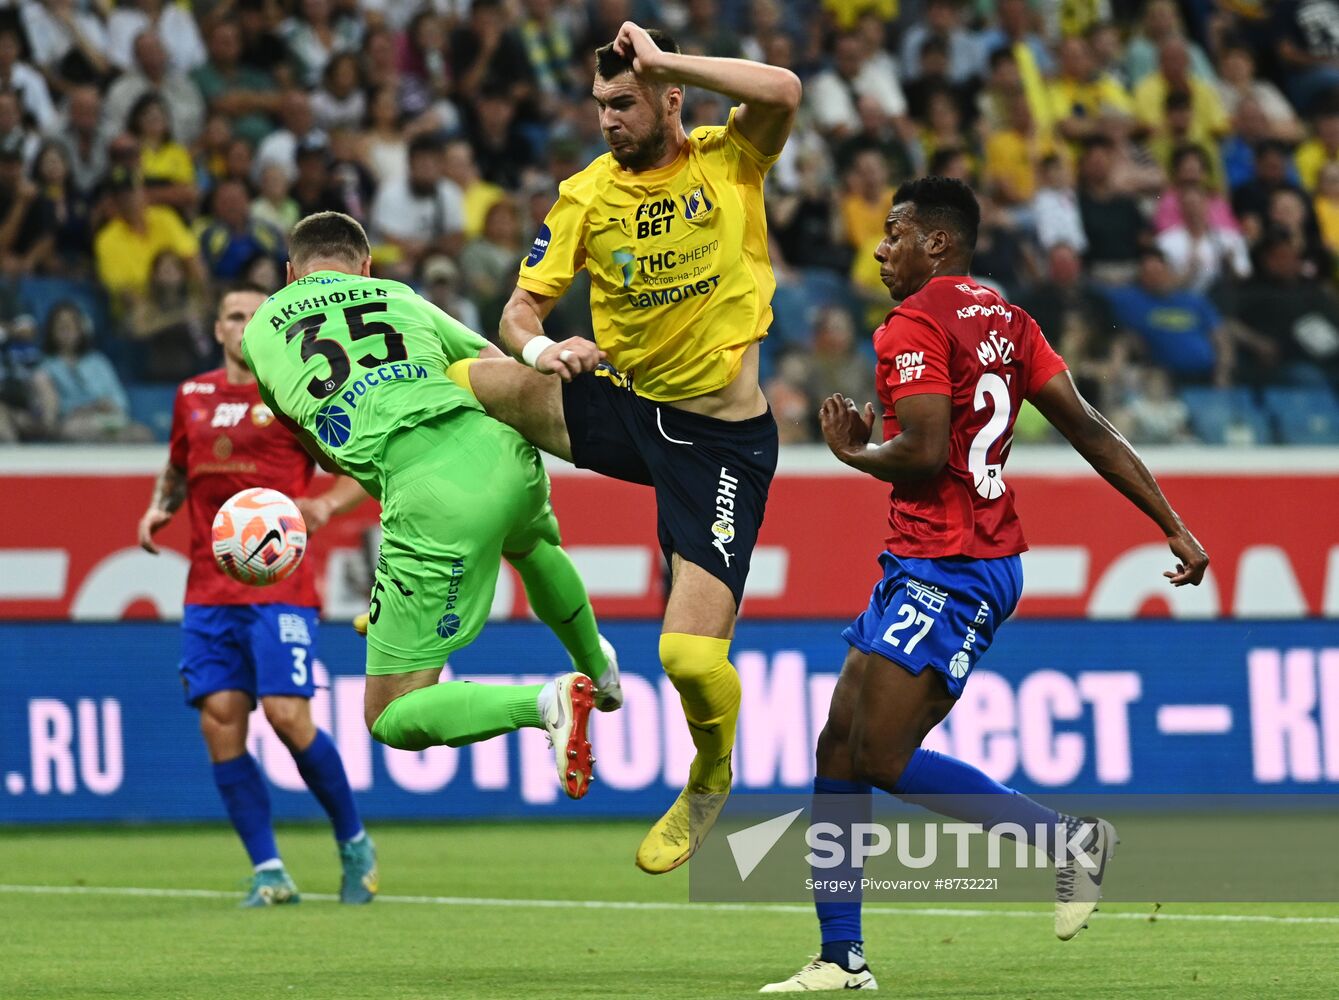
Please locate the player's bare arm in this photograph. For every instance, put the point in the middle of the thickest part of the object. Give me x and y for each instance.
(169, 493)
(1111, 455)
(343, 496)
(522, 332)
(917, 453)
(769, 95)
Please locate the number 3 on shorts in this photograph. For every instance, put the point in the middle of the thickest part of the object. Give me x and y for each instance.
(299, 665)
(907, 617)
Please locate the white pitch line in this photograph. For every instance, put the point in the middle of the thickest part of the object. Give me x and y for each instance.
(614, 904)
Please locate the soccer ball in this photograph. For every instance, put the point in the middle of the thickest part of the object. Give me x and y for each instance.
(259, 536)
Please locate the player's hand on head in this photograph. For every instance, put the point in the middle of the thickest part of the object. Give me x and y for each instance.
(570, 358)
(149, 525)
(635, 44)
(316, 512)
(846, 429)
(1191, 560)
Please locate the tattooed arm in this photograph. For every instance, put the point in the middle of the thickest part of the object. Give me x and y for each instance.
(169, 493)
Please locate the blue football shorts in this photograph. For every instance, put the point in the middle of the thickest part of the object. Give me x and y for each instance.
(937, 613)
(261, 649)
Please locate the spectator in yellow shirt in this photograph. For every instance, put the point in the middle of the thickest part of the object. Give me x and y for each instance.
(1176, 133)
(1208, 119)
(480, 196)
(864, 206)
(1321, 149)
(1327, 207)
(125, 247)
(846, 13)
(1085, 101)
(1013, 154)
(944, 128)
(165, 164)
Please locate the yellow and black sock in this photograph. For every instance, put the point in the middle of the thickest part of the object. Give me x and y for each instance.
(699, 668)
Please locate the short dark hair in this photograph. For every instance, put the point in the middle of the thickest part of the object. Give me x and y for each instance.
(934, 45)
(1276, 146)
(1093, 142)
(238, 288)
(610, 63)
(1178, 100)
(943, 203)
(1274, 237)
(943, 157)
(328, 236)
(425, 143)
(1001, 55)
(1191, 151)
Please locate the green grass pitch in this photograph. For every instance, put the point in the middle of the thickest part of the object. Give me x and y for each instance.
(461, 917)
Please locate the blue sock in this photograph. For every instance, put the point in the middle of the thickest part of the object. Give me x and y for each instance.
(248, 803)
(323, 772)
(842, 803)
(947, 785)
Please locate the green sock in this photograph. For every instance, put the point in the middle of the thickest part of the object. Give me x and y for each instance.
(558, 596)
(457, 713)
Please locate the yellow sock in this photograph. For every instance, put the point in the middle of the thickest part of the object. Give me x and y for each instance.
(459, 373)
(699, 668)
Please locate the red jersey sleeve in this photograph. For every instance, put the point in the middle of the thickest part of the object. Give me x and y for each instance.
(916, 358)
(177, 449)
(1043, 361)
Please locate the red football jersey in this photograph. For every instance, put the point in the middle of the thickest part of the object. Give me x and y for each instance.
(228, 440)
(959, 339)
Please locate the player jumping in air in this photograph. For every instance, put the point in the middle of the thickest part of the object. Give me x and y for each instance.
(358, 365)
(672, 230)
(955, 363)
(245, 643)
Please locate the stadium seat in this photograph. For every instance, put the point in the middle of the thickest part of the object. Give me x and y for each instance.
(151, 405)
(1304, 415)
(40, 295)
(1226, 416)
(795, 305)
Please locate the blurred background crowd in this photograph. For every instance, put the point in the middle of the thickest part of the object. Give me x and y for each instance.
(1159, 182)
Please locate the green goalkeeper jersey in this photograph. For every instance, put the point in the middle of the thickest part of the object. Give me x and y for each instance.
(352, 360)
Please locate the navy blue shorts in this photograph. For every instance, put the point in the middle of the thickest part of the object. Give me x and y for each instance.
(262, 649)
(937, 613)
(711, 476)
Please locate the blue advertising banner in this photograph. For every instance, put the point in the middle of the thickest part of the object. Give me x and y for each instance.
(93, 727)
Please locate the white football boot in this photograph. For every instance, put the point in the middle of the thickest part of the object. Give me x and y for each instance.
(819, 975)
(608, 690)
(1078, 886)
(565, 717)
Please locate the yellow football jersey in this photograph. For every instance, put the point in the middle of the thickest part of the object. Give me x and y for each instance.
(680, 280)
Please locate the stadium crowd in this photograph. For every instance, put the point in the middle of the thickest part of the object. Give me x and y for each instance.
(1159, 182)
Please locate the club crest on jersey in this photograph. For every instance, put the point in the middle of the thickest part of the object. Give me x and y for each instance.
(262, 415)
(696, 204)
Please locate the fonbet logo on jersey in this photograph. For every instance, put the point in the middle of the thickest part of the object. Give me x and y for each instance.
(911, 364)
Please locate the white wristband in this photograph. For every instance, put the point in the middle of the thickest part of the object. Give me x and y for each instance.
(533, 348)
